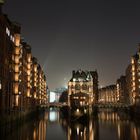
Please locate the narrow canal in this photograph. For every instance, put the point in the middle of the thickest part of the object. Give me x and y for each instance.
(51, 125)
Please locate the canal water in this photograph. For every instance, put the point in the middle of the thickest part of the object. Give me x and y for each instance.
(52, 125)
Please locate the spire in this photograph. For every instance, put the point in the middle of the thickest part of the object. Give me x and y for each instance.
(1, 3)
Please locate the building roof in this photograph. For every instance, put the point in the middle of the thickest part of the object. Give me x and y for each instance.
(80, 75)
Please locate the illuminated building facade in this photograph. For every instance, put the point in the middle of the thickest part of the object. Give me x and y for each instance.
(81, 88)
(9, 64)
(22, 81)
(122, 93)
(133, 78)
(108, 94)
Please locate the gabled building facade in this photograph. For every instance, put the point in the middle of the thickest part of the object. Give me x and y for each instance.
(81, 88)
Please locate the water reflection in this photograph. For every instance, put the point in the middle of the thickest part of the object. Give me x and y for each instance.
(33, 130)
(106, 125)
(52, 126)
(53, 115)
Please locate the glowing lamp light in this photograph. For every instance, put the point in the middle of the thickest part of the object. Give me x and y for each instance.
(74, 79)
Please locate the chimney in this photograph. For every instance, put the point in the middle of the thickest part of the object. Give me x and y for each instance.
(73, 73)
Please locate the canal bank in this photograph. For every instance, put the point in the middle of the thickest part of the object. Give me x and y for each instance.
(11, 122)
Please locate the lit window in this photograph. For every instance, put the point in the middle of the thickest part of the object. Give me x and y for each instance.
(35, 68)
(17, 50)
(7, 31)
(16, 68)
(17, 101)
(134, 88)
(16, 88)
(16, 59)
(28, 92)
(17, 39)
(132, 61)
(133, 73)
(0, 85)
(133, 68)
(28, 66)
(16, 76)
(11, 37)
(28, 72)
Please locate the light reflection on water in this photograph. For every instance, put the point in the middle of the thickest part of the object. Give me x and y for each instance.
(50, 126)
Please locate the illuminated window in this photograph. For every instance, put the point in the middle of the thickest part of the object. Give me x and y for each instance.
(132, 61)
(134, 88)
(35, 95)
(28, 78)
(28, 84)
(28, 92)
(29, 58)
(28, 72)
(16, 76)
(17, 50)
(28, 66)
(16, 59)
(0, 85)
(16, 68)
(35, 79)
(17, 39)
(13, 39)
(16, 88)
(17, 101)
(7, 31)
(133, 73)
(133, 68)
(35, 68)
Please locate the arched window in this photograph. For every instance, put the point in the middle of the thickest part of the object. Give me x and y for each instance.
(77, 87)
(84, 87)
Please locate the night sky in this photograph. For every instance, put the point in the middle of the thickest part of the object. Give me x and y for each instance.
(79, 34)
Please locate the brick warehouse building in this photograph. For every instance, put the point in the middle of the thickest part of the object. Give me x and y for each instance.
(22, 81)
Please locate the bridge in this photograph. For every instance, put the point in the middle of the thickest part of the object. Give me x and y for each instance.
(57, 104)
(98, 105)
(112, 105)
